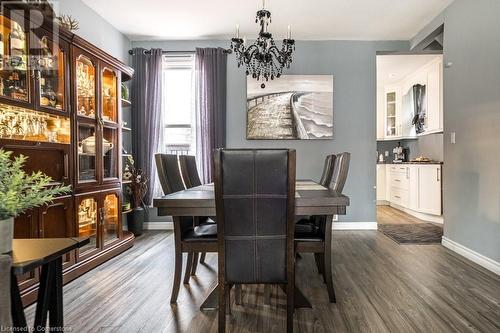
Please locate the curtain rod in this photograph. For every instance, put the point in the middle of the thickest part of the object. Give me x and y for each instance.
(131, 52)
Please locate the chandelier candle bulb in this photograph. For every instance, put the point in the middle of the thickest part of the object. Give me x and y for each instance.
(289, 34)
(237, 31)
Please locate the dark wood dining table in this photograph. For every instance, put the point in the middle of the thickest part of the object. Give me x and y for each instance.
(310, 199)
(29, 254)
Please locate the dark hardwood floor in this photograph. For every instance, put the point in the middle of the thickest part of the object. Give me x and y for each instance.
(380, 285)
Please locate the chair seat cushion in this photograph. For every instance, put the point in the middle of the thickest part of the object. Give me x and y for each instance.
(307, 232)
(202, 233)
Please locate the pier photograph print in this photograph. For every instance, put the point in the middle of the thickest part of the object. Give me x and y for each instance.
(293, 107)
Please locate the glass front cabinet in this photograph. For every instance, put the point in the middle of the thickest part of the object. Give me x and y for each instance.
(97, 119)
(60, 106)
(99, 219)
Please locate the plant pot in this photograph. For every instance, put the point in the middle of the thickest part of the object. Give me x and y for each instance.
(6, 235)
(135, 221)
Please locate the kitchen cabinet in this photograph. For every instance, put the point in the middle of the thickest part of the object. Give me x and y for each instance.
(392, 112)
(381, 179)
(395, 109)
(415, 187)
(434, 119)
(429, 189)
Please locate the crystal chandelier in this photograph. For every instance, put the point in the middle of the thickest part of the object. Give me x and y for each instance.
(263, 59)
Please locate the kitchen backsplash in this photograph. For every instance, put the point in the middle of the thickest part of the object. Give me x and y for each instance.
(430, 146)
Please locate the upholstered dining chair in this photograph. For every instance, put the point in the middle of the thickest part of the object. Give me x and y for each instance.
(191, 179)
(313, 239)
(188, 238)
(255, 205)
(5, 310)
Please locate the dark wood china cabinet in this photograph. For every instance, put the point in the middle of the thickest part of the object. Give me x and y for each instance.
(60, 105)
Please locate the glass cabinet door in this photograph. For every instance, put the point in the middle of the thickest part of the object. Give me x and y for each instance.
(110, 153)
(85, 87)
(88, 219)
(391, 114)
(14, 78)
(51, 79)
(87, 152)
(110, 223)
(109, 95)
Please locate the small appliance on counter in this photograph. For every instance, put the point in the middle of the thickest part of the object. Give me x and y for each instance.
(400, 154)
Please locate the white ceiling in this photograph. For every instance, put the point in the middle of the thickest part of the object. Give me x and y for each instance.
(310, 19)
(393, 68)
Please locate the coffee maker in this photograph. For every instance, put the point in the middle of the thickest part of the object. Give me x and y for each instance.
(399, 154)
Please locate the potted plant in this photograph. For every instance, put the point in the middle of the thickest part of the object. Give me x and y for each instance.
(20, 192)
(136, 190)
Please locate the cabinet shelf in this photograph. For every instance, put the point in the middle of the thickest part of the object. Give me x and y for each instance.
(126, 129)
(126, 103)
(125, 182)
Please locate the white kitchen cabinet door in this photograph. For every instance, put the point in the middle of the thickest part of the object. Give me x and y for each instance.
(434, 97)
(414, 180)
(429, 192)
(381, 182)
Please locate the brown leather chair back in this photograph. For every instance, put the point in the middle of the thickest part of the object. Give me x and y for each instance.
(255, 203)
(189, 171)
(340, 171)
(326, 176)
(167, 166)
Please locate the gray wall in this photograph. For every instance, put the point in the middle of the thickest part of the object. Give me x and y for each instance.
(354, 67)
(472, 110)
(95, 29)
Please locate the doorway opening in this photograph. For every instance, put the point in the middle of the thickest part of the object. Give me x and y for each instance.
(410, 146)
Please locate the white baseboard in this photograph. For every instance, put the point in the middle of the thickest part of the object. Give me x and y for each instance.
(422, 216)
(354, 225)
(473, 256)
(383, 203)
(158, 226)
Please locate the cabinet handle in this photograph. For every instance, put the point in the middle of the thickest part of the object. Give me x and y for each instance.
(437, 175)
(397, 180)
(397, 196)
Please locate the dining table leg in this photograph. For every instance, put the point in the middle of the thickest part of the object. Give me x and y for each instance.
(17, 310)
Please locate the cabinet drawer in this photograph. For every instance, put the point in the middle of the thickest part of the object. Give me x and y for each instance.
(399, 196)
(397, 169)
(400, 181)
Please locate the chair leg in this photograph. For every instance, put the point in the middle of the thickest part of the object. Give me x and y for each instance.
(328, 273)
(237, 294)
(202, 257)
(267, 294)
(195, 263)
(290, 305)
(222, 308)
(189, 265)
(319, 263)
(177, 276)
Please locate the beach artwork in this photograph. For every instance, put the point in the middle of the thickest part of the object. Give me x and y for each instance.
(293, 107)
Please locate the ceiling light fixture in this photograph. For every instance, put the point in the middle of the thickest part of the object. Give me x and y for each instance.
(263, 59)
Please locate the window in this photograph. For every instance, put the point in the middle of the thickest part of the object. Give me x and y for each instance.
(178, 114)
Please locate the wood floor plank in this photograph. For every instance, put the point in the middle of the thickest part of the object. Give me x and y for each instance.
(381, 287)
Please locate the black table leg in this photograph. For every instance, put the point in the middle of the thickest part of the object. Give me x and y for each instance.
(42, 304)
(18, 318)
(50, 297)
(56, 296)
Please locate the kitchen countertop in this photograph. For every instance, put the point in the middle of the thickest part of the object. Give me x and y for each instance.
(399, 163)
